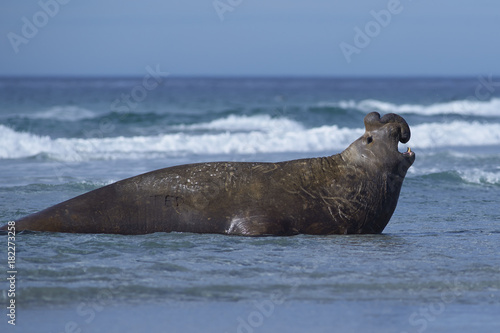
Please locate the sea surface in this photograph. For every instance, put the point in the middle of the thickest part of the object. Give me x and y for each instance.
(435, 268)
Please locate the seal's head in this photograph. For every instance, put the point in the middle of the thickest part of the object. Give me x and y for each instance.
(378, 147)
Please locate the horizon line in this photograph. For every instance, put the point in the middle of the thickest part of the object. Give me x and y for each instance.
(242, 76)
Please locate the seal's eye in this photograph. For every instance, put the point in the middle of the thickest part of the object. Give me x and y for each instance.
(369, 140)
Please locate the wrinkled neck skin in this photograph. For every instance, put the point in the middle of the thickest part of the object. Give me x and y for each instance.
(379, 169)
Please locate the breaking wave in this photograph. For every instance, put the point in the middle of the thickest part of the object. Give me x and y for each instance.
(234, 135)
(460, 107)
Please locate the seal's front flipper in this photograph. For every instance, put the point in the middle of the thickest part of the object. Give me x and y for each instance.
(259, 225)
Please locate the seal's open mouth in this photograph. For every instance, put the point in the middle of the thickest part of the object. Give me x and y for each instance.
(408, 152)
(409, 155)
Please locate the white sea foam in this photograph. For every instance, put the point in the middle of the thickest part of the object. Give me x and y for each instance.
(64, 113)
(241, 135)
(453, 134)
(17, 145)
(283, 136)
(245, 123)
(461, 107)
(478, 176)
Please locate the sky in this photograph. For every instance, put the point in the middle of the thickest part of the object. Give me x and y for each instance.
(250, 37)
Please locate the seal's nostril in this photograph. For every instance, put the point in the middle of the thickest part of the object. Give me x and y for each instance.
(369, 140)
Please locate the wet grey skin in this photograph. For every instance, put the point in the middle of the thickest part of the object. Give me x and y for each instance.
(354, 192)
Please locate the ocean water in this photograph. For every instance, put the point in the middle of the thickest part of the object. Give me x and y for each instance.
(435, 268)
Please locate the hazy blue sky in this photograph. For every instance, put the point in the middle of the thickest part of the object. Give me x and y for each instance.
(250, 37)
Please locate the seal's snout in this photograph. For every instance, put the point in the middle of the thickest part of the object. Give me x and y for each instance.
(373, 122)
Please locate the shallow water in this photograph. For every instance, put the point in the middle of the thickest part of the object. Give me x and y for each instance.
(435, 268)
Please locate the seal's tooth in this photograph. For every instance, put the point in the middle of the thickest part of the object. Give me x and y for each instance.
(409, 150)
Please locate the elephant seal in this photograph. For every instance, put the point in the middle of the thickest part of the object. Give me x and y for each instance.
(354, 192)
